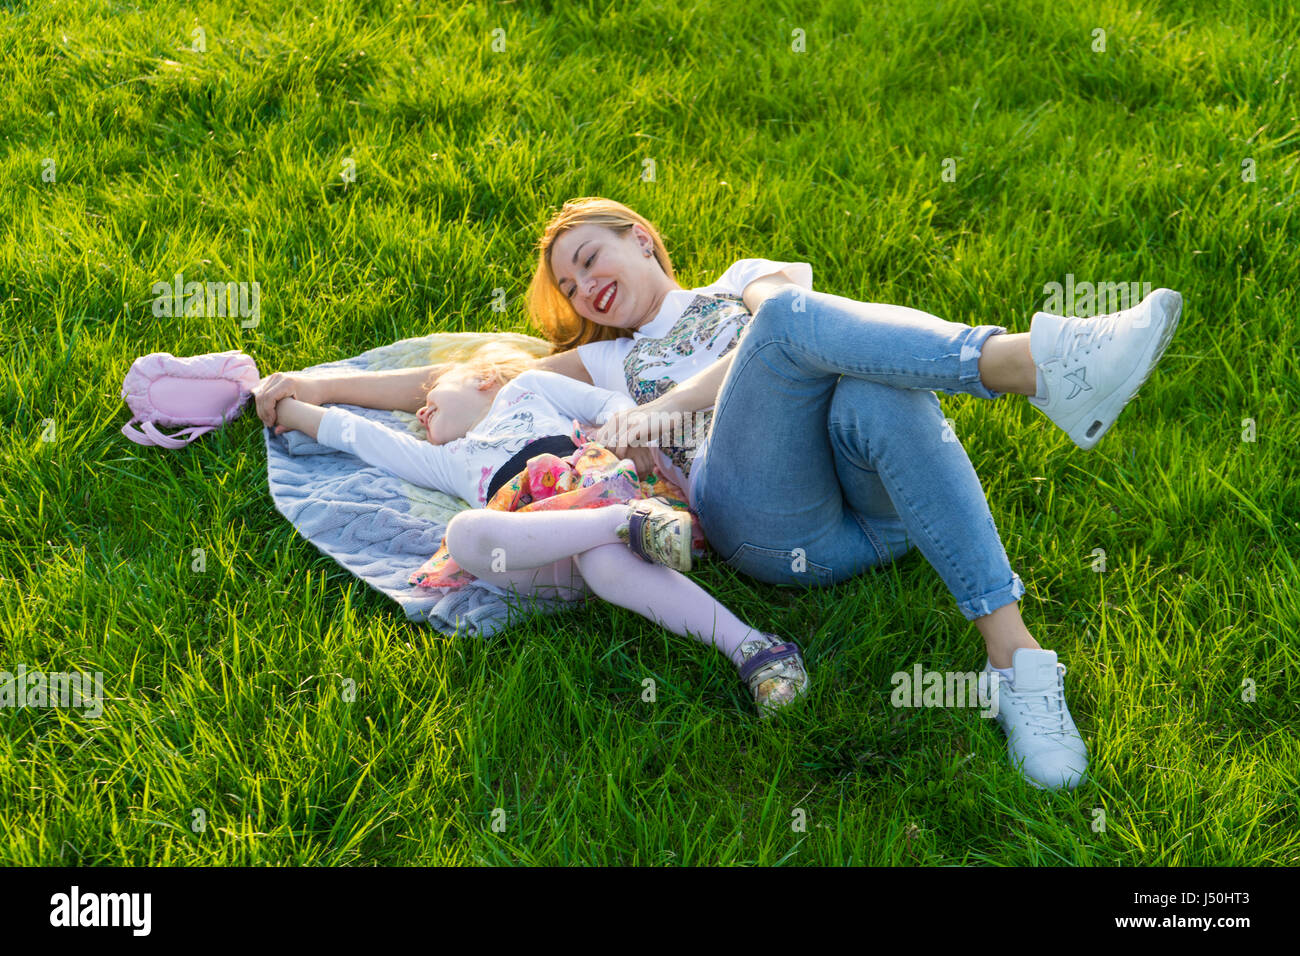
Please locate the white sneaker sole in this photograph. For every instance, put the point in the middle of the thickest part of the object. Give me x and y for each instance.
(1099, 419)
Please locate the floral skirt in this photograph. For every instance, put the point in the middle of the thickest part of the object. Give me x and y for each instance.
(592, 477)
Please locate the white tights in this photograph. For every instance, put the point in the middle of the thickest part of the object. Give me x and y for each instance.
(567, 555)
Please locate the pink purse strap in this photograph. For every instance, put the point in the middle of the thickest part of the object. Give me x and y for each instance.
(152, 436)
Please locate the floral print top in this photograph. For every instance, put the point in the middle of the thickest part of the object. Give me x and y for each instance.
(692, 330)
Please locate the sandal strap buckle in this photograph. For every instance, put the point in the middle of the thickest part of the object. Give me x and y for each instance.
(635, 529)
(770, 655)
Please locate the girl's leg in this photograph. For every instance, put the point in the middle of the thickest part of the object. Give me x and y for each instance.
(665, 596)
(510, 540)
(558, 581)
(512, 549)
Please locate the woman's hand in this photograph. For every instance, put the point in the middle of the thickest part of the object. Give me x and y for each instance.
(280, 385)
(631, 433)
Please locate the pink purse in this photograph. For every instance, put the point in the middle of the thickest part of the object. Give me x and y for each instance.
(202, 392)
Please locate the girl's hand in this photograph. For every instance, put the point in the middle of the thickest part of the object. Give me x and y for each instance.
(285, 420)
(285, 385)
(294, 415)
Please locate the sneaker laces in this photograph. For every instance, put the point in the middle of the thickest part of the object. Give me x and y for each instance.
(1084, 334)
(1044, 709)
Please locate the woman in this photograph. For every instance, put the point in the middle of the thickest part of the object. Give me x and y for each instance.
(835, 398)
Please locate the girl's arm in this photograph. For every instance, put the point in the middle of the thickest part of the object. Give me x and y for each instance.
(403, 455)
(293, 415)
(572, 399)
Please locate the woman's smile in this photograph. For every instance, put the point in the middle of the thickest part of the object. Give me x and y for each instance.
(605, 298)
(610, 279)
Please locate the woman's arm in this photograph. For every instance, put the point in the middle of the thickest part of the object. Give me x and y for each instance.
(566, 363)
(628, 432)
(406, 389)
(632, 433)
(701, 389)
(698, 391)
(399, 389)
(757, 292)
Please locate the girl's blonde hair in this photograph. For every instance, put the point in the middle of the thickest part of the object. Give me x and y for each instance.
(497, 361)
(549, 308)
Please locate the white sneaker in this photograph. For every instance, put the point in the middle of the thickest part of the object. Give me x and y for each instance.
(1043, 743)
(1089, 369)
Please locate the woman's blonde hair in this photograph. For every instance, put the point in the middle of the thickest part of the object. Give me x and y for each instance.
(497, 361)
(549, 308)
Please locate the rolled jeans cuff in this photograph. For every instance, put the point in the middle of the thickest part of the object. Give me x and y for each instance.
(968, 366)
(990, 602)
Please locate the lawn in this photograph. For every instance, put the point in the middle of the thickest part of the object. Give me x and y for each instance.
(379, 169)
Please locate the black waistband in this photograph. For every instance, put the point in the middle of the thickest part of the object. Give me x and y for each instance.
(560, 445)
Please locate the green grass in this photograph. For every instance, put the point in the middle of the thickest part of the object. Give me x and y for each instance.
(226, 688)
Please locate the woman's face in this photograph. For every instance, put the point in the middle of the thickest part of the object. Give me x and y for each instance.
(610, 279)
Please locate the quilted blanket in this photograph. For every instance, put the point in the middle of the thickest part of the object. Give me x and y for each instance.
(378, 526)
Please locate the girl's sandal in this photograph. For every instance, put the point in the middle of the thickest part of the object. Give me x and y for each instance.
(658, 533)
(775, 673)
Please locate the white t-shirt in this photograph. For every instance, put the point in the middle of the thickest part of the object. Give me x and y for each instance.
(534, 404)
(692, 329)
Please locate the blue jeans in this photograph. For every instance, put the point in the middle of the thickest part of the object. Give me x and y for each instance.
(829, 453)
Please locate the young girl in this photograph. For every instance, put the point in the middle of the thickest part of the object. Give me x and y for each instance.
(549, 526)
